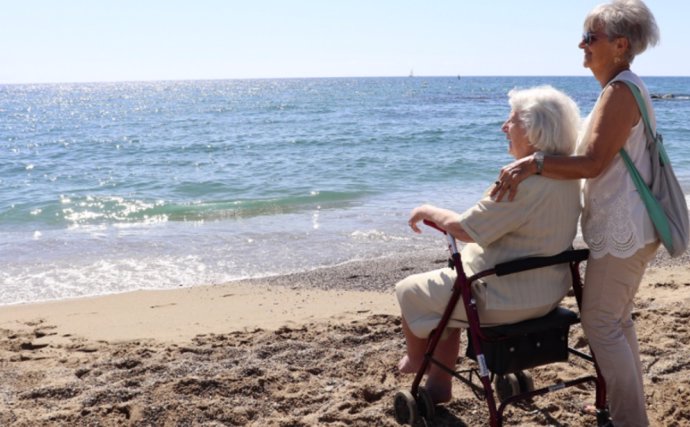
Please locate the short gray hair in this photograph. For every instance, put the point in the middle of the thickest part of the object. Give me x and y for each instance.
(631, 19)
(550, 117)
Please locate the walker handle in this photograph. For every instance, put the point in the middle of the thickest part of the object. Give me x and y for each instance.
(433, 225)
(451, 240)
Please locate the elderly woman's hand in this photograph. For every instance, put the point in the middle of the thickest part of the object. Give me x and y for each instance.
(511, 176)
(419, 213)
(445, 220)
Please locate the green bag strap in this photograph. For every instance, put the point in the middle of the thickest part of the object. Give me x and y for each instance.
(642, 105)
(654, 208)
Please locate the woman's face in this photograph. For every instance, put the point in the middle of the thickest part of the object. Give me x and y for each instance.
(600, 53)
(518, 144)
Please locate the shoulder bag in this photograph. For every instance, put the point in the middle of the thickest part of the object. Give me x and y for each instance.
(665, 200)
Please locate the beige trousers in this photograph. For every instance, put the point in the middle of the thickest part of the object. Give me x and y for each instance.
(423, 298)
(610, 287)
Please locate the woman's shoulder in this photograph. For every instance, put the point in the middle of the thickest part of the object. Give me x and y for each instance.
(537, 185)
(618, 89)
(627, 75)
(542, 182)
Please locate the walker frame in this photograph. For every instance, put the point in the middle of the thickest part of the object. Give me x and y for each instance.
(412, 406)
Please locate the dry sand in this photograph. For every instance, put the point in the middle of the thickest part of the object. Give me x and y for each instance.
(309, 349)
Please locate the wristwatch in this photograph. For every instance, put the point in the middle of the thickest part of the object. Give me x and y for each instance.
(539, 160)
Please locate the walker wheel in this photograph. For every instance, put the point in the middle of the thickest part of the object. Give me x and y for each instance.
(603, 418)
(426, 406)
(405, 408)
(506, 386)
(526, 381)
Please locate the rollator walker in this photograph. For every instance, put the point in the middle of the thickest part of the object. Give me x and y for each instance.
(504, 353)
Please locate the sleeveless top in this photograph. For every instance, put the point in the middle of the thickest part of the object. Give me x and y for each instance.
(614, 219)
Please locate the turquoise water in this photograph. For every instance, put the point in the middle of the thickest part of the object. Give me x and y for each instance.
(112, 187)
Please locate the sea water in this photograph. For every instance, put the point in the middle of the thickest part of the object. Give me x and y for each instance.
(112, 187)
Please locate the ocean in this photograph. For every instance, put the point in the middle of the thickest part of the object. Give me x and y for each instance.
(114, 187)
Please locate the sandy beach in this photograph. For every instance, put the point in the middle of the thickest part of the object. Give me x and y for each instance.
(309, 349)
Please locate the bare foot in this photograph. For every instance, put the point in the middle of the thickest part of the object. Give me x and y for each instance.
(406, 366)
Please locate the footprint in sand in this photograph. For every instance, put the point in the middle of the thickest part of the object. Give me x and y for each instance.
(163, 305)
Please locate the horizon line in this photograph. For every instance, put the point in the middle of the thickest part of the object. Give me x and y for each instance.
(2, 83)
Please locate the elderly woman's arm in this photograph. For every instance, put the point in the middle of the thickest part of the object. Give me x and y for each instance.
(611, 125)
(443, 218)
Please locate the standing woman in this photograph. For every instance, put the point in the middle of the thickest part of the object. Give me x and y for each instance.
(615, 223)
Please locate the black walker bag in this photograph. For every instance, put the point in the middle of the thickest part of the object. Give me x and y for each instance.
(525, 345)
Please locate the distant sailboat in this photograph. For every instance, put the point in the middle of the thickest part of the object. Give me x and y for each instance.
(411, 73)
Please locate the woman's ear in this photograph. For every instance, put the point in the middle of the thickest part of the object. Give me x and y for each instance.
(622, 47)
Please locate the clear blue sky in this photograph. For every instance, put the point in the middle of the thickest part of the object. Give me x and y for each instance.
(115, 40)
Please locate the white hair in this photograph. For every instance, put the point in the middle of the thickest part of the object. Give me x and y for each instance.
(631, 19)
(550, 117)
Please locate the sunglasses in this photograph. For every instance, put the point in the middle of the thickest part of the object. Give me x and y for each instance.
(589, 37)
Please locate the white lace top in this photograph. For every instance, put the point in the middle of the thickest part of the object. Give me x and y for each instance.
(614, 219)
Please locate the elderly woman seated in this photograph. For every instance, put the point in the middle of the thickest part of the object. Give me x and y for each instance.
(540, 221)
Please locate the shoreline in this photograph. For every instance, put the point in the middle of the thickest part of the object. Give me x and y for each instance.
(306, 349)
(375, 275)
(176, 315)
(360, 287)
